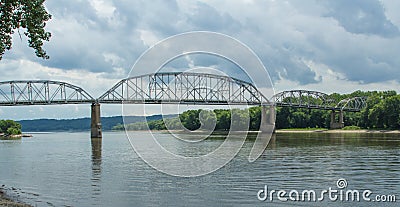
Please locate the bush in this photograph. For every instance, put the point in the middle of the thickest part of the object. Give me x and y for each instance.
(13, 131)
(351, 128)
(10, 127)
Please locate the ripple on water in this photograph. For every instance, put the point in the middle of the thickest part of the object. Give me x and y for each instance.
(62, 169)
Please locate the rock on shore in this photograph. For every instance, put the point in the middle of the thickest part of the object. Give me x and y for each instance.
(7, 202)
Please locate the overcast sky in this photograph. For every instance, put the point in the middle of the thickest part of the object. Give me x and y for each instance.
(329, 46)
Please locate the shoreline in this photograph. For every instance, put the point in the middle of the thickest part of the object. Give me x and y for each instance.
(284, 131)
(339, 131)
(14, 136)
(7, 201)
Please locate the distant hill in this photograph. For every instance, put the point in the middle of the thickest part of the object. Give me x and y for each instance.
(81, 124)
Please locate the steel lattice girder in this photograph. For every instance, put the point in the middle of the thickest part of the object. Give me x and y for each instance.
(41, 92)
(187, 88)
(316, 100)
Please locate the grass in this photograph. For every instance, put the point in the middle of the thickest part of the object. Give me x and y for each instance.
(351, 128)
(303, 129)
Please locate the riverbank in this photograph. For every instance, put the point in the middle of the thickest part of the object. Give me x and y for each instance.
(15, 136)
(335, 131)
(282, 131)
(5, 201)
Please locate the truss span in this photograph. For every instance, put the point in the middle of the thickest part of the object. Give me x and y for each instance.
(39, 92)
(183, 88)
(317, 100)
(303, 99)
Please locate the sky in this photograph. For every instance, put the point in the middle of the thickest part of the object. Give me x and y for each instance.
(329, 46)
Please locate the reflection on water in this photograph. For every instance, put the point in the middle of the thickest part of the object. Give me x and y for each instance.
(96, 166)
(337, 139)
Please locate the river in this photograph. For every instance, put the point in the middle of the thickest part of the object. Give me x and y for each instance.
(68, 169)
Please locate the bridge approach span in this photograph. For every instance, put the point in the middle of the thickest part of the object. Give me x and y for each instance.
(317, 100)
(41, 92)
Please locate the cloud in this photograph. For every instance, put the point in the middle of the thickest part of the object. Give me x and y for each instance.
(96, 42)
(283, 34)
(362, 17)
(94, 83)
(334, 82)
(206, 17)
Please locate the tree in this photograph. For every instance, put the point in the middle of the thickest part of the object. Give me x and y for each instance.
(13, 131)
(391, 112)
(376, 116)
(223, 119)
(190, 119)
(207, 119)
(240, 119)
(31, 15)
(10, 127)
(255, 118)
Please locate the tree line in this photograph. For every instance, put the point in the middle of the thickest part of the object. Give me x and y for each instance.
(10, 127)
(382, 112)
(218, 119)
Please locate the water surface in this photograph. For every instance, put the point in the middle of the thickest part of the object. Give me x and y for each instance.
(70, 169)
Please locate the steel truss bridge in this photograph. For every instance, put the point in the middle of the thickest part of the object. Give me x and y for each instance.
(317, 100)
(184, 88)
(172, 88)
(34, 92)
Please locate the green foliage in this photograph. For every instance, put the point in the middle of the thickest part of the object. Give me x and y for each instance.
(301, 118)
(173, 123)
(10, 127)
(207, 119)
(304, 129)
(13, 131)
(382, 112)
(118, 127)
(351, 128)
(219, 119)
(83, 124)
(31, 15)
(255, 118)
(224, 119)
(385, 113)
(190, 119)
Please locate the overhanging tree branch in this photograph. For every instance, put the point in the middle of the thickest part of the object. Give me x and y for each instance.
(28, 14)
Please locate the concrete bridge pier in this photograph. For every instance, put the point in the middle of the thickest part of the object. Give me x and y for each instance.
(95, 121)
(337, 123)
(267, 123)
(267, 128)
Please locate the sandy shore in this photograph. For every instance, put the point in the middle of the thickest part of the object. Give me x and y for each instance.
(5, 201)
(340, 131)
(11, 137)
